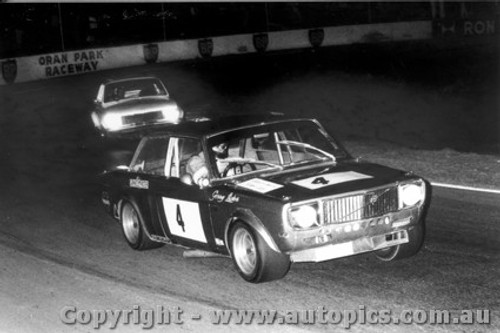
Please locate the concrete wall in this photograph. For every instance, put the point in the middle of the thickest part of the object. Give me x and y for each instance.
(47, 66)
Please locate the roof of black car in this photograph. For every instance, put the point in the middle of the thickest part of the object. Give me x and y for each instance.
(210, 126)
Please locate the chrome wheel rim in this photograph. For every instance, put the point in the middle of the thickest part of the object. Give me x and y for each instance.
(245, 251)
(130, 221)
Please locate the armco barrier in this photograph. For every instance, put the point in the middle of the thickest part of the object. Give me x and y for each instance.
(51, 65)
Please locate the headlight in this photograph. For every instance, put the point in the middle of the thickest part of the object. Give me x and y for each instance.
(111, 122)
(411, 194)
(304, 216)
(172, 114)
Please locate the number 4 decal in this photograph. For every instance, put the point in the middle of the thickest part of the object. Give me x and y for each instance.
(184, 219)
(320, 180)
(180, 221)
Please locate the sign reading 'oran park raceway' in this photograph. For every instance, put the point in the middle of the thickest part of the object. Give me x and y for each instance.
(70, 63)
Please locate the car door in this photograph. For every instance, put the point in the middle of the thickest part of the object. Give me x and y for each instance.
(146, 176)
(183, 208)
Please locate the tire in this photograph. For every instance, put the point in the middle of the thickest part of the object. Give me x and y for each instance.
(254, 260)
(416, 235)
(133, 228)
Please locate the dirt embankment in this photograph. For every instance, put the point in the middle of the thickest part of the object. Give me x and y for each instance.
(414, 95)
(416, 107)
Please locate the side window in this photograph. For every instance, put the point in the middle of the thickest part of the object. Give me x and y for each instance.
(151, 156)
(180, 152)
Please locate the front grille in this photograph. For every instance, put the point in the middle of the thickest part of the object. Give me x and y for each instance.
(380, 202)
(343, 209)
(360, 206)
(143, 118)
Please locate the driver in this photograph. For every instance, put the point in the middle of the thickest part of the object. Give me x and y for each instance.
(197, 167)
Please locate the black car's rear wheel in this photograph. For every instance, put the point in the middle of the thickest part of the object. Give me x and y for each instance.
(253, 258)
(133, 228)
(416, 237)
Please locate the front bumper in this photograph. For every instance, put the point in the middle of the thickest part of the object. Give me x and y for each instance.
(357, 246)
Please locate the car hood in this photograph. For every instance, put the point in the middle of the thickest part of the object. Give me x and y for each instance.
(143, 104)
(322, 181)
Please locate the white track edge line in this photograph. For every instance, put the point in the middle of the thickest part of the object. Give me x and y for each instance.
(467, 188)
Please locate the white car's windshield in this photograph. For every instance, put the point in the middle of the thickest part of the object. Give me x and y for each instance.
(121, 90)
(274, 146)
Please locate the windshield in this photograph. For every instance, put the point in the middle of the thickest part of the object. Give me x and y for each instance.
(121, 90)
(272, 147)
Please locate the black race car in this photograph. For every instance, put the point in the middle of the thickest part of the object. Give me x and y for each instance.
(266, 191)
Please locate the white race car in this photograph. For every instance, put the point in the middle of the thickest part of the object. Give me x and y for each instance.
(130, 103)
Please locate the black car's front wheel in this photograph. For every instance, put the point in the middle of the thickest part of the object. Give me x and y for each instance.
(416, 236)
(133, 228)
(255, 261)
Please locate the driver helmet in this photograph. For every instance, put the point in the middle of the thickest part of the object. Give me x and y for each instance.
(220, 150)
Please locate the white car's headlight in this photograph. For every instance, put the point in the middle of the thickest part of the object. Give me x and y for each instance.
(411, 194)
(111, 122)
(304, 216)
(172, 114)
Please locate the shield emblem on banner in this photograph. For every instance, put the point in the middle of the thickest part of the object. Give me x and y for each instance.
(316, 37)
(151, 52)
(205, 47)
(260, 42)
(9, 70)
